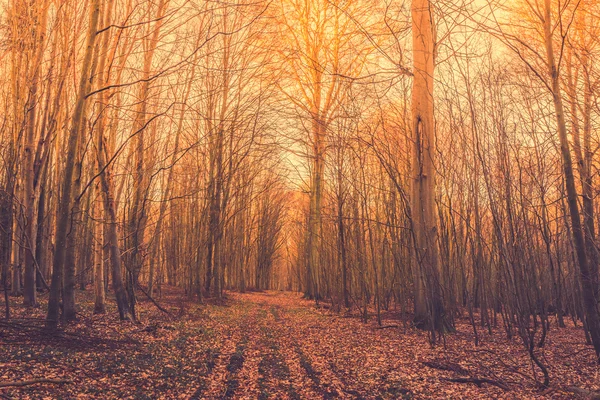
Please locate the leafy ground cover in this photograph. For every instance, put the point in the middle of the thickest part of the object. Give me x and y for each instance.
(274, 345)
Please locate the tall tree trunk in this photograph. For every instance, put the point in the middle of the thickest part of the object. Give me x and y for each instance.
(30, 201)
(342, 241)
(99, 292)
(64, 207)
(429, 307)
(314, 212)
(75, 233)
(157, 236)
(138, 217)
(111, 233)
(586, 275)
(6, 225)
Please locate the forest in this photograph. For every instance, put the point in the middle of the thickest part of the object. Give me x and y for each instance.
(299, 199)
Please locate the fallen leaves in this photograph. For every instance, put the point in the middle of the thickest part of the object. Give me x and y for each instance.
(275, 345)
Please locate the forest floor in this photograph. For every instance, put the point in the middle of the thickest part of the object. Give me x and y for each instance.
(273, 345)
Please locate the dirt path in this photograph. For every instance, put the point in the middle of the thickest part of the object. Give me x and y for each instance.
(288, 349)
(294, 350)
(276, 345)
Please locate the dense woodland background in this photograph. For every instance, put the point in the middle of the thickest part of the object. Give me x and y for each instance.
(435, 158)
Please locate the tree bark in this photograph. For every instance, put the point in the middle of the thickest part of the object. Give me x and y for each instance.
(64, 207)
(429, 308)
(99, 292)
(30, 200)
(586, 277)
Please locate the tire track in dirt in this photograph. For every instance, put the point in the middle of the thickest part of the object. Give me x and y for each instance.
(327, 360)
(242, 370)
(274, 374)
(243, 382)
(230, 358)
(290, 333)
(236, 362)
(266, 373)
(211, 360)
(283, 351)
(285, 344)
(312, 347)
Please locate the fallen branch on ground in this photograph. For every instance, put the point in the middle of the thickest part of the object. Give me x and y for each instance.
(33, 382)
(387, 326)
(154, 301)
(588, 394)
(479, 382)
(447, 366)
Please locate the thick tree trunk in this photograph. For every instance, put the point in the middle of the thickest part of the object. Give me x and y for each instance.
(75, 233)
(64, 207)
(429, 308)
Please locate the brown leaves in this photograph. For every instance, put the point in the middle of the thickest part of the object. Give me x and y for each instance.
(275, 345)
